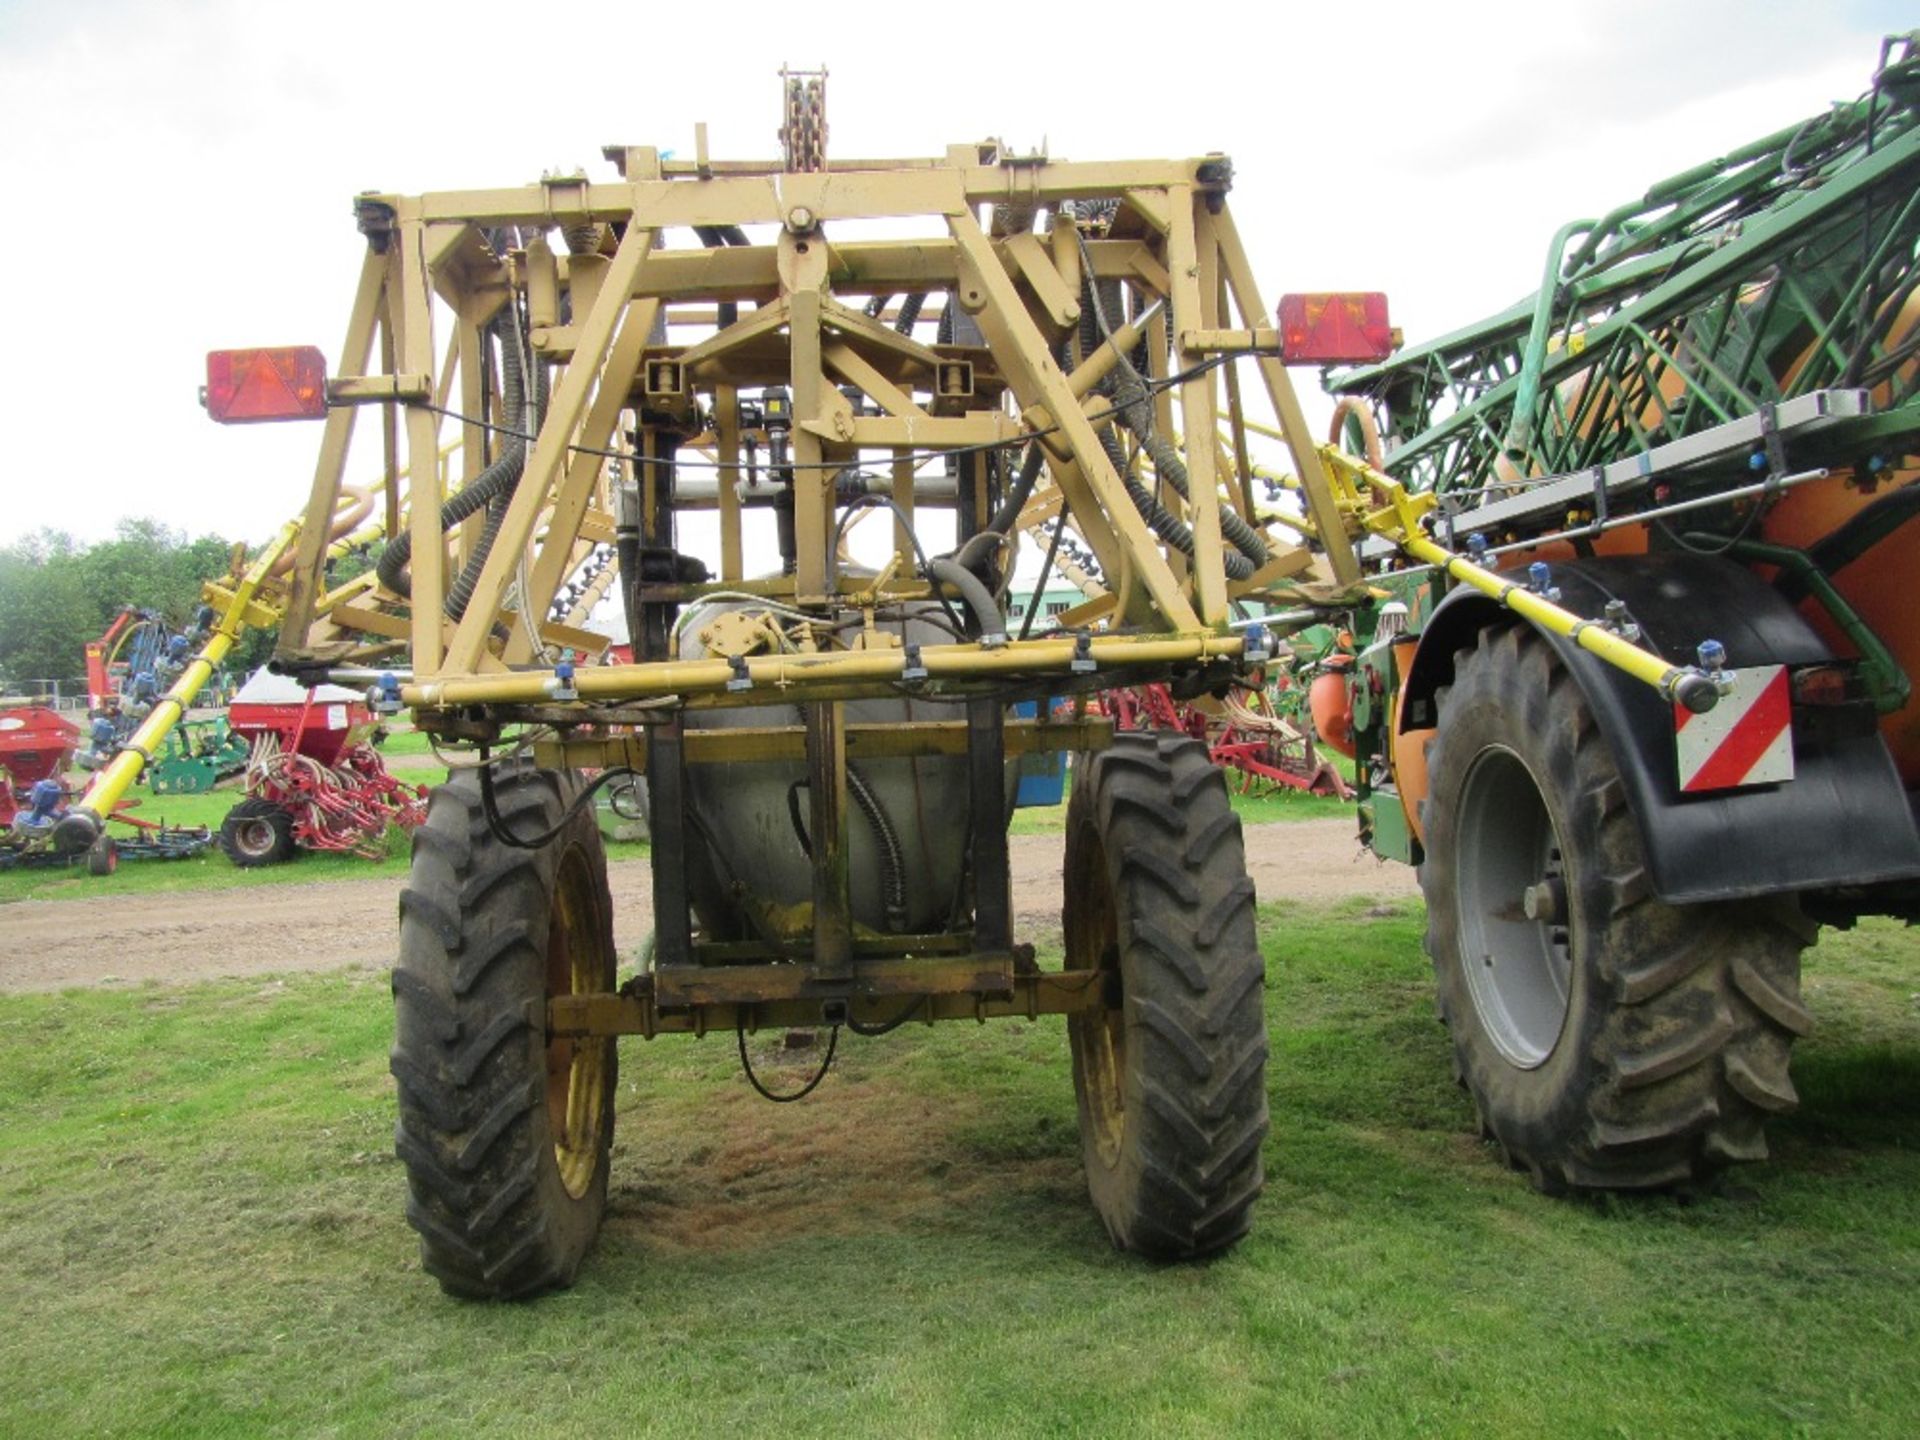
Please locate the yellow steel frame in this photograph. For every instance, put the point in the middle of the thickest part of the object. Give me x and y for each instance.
(628, 319)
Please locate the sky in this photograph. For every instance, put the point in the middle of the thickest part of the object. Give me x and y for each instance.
(180, 175)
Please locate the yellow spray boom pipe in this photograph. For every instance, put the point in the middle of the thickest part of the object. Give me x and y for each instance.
(82, 824)
(1399, 522)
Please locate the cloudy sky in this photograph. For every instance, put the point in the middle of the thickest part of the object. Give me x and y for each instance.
(179, 174)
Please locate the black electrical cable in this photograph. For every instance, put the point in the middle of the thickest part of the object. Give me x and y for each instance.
(887, 1027)
(870, 502)
(1046, 569)
(746, 1067)
(794, 816)
(497, 825)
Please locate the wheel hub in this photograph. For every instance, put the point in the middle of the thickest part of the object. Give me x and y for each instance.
(1545, 902)
(1515, 919)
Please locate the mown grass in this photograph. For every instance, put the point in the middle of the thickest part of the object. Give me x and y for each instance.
(204, 1237)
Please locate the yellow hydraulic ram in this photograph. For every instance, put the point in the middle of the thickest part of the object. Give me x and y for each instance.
(81, 825)
(1400, 522)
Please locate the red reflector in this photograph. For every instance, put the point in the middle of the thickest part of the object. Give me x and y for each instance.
(285, 383)
(1346, 328)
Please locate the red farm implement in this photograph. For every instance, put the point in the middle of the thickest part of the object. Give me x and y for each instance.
(36, 749)
(1247, 734)
(314, 780)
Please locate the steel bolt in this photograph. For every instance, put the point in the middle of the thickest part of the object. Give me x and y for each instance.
(1546, 902)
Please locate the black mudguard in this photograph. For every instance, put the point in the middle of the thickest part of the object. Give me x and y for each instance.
(1843, 820)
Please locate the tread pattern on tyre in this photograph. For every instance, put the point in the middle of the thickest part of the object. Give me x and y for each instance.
(1676, 1046)
(257, 807)
(1190, 1165)
(469, 1052)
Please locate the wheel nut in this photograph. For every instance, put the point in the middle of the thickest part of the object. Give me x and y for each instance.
(1545, 902)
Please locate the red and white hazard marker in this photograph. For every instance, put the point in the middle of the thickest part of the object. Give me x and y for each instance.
(1747, 739)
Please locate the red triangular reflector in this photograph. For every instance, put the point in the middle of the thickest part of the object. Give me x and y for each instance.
(288, 383)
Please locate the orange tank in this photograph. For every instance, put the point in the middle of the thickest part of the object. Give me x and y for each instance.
(1879, 584)
(1332, 707)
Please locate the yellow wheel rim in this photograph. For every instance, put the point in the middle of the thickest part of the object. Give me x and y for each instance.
(577, 1069)
(1100, 1034)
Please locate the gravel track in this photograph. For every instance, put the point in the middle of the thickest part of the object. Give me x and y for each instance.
(109, 939)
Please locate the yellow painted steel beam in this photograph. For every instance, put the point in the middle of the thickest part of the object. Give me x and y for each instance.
(1030, 996)
(1024, 354)
(412, 308)
(549, 452)
(330, 469)
(903, 190)
(1193, 261)
(584, 468)
(1321, 505)
(726, 413)
(789, 676)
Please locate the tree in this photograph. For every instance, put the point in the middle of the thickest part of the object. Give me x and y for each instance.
(46, 614)
(56, 595)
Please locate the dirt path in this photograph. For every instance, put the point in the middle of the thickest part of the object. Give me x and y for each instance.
(121, 939)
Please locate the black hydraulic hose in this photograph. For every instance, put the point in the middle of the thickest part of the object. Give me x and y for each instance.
(943, 570)
(909, 315)
(893, 865)
(1252, 550)
(460, 592)
(715, 237)
(1134, 404)
(497, 481)
(1171, 529)
(1019, 492)
(1046, 569)
(979, 551)
(760, 1088)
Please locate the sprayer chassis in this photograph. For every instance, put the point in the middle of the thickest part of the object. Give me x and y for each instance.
(859, 388)
(506, 987)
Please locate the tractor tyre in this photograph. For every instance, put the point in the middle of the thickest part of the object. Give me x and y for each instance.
(1610, 1041)
(1169, 1072)
(103, 856)
(257, 832)
(505, 1132)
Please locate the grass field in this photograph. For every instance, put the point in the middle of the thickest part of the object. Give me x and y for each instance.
(203, 1236)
